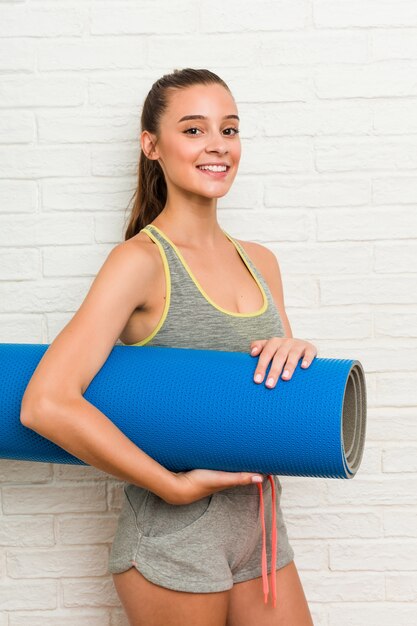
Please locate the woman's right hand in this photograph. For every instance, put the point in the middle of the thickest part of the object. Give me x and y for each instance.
(199, 483)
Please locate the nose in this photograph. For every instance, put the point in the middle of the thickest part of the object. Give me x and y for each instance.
(216, 144)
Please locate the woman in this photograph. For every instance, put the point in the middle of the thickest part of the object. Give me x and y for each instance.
(188, 546)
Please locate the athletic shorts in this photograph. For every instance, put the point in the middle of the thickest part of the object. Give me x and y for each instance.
(205, 546)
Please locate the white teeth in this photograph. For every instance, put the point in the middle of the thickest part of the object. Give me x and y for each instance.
(213, 168)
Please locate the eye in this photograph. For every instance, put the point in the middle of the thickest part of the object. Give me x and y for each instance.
(235, 129)
(195, 128)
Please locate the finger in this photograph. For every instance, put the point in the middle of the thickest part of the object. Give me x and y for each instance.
(230, 479)
(290, 365)
(256, 346)
(308, 358)
(251, 477)
(270, 351)
(287, 362)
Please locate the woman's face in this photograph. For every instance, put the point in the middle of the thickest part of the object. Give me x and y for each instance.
(186, 144)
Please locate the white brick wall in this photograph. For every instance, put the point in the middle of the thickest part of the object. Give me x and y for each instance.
(327, 95)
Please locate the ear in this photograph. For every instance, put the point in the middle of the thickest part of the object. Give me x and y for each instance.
(148, 143)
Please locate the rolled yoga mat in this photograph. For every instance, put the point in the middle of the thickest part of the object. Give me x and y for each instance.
(189, 408)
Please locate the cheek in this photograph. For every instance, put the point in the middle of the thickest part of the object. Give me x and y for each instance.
(186, 151)
(183, 155)
(236, 152)
(182, 159)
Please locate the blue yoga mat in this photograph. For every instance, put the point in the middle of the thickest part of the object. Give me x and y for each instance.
(189, 409)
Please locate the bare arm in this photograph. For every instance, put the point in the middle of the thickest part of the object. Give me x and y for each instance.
(53, 404)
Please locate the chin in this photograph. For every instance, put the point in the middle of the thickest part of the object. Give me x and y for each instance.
(221, 190)
(218, 194)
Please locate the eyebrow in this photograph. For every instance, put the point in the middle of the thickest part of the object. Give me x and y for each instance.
(203, 117)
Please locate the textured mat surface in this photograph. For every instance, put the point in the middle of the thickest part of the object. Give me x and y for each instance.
(190, 409)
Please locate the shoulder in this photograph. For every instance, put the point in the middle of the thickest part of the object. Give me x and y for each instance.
(131, 254)
(263, 258)
(139, 249)
(135, 262)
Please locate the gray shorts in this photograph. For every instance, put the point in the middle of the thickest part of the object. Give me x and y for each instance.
(205, 546)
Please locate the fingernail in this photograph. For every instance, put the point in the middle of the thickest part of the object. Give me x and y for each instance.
(270, 381)
(254, 350)
(256, 479)
(285, 374)
(258, 378)
(305, 363)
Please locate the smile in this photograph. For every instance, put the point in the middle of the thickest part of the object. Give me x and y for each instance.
(216, 171)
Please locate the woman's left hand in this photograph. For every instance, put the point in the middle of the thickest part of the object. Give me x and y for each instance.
(282, 350)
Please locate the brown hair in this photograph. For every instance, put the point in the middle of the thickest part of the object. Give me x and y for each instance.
(151, 191)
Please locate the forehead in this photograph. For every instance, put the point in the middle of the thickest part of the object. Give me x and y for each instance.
(212, 101)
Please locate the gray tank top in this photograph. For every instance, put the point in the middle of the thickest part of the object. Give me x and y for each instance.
(191, 319)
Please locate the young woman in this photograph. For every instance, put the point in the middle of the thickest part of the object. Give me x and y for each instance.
(188, 546)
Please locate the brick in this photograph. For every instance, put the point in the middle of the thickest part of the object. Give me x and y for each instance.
(91, 593)
(313, 192)
(369, 290)
(63, 617)
(401, 587)
(401, 256)
(315, 118)
(18, 595)
(54, 498)
(26, 530)
(40, 90)
(17, 56)
(17, 126)
(57, 563)
(329, 587)
(332, 524)
(399, 459)
(265, 15)
(365, 154)
(102, 53)
(381, 613)
(370, 491)
(399, 522)
(42, 21)
(19, 264)
(378, 555)
(43, 161)
(366, 224)
(18, 197)
(148, 18)
(371, 80)
(395, 190)
(348, 13)
(86, 529)
(311, 47)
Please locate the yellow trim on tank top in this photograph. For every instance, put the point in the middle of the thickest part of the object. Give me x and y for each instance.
(168, 292)
(203, 293)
